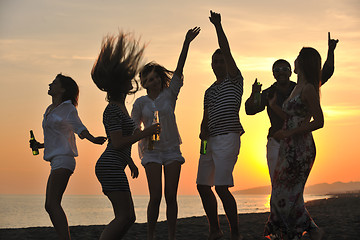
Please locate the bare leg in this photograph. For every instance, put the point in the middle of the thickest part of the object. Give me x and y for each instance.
(210, 206)
(124, 216)
(172, 175)
(56, 185)
(230, 208)
(153, 174)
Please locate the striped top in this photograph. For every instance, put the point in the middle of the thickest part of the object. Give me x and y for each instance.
(222, 101)
(115, 119)
(110, 167)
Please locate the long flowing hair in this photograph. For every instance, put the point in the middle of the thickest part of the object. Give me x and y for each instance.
(310, 64)
(163, 73)
(117, 65)
(71, 89)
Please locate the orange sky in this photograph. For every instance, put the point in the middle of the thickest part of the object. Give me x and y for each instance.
(39, 39)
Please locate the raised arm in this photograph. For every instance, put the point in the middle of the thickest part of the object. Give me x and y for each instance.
(329, 64)
(215, 19)
(190, 35)
(250, 107)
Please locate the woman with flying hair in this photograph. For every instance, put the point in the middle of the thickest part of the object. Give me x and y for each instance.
(114, 72)
(289, 218)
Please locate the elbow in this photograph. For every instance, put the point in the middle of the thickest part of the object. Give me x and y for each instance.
(249, 112)
(320, 124)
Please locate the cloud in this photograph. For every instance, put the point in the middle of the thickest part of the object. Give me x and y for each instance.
(341, 112)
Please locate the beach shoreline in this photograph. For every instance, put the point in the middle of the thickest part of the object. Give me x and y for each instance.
(338, 216)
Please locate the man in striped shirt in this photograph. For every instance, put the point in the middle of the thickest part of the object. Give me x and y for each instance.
(222, 129)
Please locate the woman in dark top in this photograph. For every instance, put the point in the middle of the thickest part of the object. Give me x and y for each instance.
(113, 72)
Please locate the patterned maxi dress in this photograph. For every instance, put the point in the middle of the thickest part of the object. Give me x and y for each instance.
(288, 215)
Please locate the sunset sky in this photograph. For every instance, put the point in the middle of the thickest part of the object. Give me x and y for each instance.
(40, 38)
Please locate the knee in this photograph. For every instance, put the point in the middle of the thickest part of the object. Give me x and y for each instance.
(222, 190)
(50, 206)
(155, 199)
(203, 189)
(170, 198)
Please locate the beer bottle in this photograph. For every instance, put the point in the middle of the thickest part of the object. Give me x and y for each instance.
(257, 96)
(35, 150)
(155, 137)
(203, 147)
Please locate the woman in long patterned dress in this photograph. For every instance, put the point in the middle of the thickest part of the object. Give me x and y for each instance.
(289, 218)
(113, 73)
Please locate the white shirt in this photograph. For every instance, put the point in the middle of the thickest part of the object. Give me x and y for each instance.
(143, 112)
(59, 127)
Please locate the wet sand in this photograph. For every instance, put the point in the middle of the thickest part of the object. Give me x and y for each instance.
(338, 216)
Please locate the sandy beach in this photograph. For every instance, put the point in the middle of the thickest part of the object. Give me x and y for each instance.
(338, 216)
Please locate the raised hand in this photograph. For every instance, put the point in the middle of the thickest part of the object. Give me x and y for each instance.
(192, 33)
(256, 87)
(332, 42)
(215, 18)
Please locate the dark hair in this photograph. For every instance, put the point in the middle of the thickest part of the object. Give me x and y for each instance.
(71, 89)
(310, 64)
(163, 73)
(279, 61)
(117, 65)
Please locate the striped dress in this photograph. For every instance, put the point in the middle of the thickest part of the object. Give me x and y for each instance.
(110, 167)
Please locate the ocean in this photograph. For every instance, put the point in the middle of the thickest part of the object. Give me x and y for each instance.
(21, 211)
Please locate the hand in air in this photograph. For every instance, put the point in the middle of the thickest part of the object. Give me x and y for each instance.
(332, 42)
(256, 87)
(215, 18)
(192, 33)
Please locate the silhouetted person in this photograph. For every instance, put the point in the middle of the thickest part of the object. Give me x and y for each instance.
(282, 88)
(162, 87)
(113, 72)
(222, 128)
(60, 123)
(289, 218)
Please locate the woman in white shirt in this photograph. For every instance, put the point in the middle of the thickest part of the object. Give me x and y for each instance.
(162, 88)
(60, 122)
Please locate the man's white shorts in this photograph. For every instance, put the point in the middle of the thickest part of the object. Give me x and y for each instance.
(217, 165)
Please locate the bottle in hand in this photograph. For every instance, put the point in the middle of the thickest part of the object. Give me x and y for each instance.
(203, 147)
(257, 95)
(155, 137)
(35, 150)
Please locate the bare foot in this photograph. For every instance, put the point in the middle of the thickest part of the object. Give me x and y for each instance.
(215, 235)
